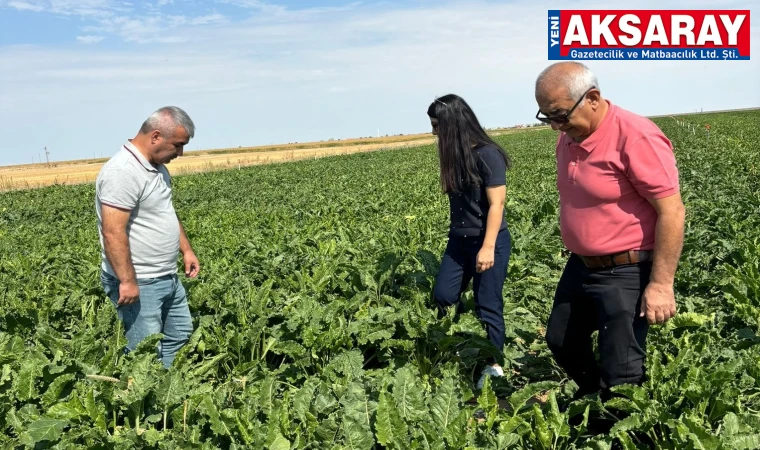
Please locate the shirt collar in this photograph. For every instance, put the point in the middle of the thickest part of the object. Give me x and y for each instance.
(130, 147)
(590, 143)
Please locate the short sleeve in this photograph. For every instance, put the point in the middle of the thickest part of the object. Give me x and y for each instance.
(119, 189)
(651, 166)
(494, 169)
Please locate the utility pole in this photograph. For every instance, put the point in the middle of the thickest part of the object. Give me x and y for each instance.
(47, 156)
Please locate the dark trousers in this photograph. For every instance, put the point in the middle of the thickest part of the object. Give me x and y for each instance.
(458, 268)
(607, 300)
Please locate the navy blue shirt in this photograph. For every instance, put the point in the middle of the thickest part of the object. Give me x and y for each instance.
(469, 209)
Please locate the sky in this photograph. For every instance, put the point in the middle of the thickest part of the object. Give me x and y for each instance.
(80, 76)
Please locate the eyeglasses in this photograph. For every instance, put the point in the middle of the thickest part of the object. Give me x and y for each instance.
(562, 118)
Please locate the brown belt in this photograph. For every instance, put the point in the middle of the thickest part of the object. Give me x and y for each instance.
(618, 259)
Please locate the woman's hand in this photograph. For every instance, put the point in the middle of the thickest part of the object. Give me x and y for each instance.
(485, 258)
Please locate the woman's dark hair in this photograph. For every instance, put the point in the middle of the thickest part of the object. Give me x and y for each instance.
(458, 132)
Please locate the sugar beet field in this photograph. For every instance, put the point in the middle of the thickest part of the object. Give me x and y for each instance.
(315, 327)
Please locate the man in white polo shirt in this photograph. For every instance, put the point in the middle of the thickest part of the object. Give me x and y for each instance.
(141, 235)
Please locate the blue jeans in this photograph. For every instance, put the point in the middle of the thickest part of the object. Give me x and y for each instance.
(458, 268)
(160, 308)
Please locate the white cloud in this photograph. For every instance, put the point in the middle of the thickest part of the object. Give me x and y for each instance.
(89, 39)
(144, 30)
(24, 6)
(122, 18)
(83, 8)
(282, 76)
(256, 5)
(207, 19)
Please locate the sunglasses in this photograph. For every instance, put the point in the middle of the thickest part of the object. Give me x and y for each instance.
(562, 118)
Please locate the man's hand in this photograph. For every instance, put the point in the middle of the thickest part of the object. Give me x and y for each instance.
(128, 293)
(485, 259)
(192, 265)
(658, 303)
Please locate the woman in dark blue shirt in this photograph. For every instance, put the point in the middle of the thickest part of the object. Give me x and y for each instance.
(473, 175)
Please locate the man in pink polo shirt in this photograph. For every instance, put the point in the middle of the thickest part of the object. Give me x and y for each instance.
(622, 219)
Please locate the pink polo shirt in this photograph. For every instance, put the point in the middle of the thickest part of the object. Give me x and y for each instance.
(604, 183)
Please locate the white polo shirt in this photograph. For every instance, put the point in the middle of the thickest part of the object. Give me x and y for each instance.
(128, 181)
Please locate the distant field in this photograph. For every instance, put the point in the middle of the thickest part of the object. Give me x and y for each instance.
(30, 176)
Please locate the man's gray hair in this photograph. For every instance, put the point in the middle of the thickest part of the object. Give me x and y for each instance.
(166, 120)
(575, 76)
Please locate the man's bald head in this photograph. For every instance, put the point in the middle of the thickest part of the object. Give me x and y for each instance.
(570, 79)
